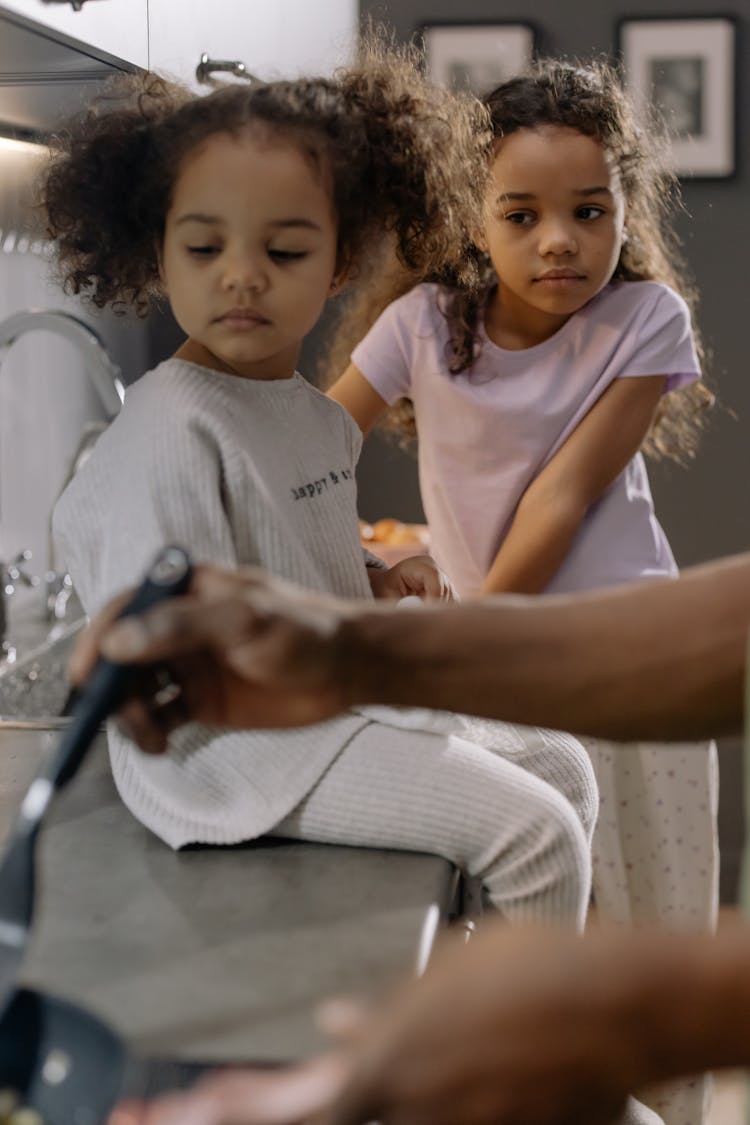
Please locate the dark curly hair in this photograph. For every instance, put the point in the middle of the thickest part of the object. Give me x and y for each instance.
(393, 149)
(591, 99)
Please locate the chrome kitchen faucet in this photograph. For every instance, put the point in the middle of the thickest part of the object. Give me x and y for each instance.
(105, 377)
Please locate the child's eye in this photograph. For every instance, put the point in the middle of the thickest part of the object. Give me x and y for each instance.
(590, 211)
(287, 255)
(520, 218)
(203, 251)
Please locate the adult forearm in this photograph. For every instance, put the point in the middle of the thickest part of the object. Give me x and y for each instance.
(657, 660)
(478, 1038)
(688, 996)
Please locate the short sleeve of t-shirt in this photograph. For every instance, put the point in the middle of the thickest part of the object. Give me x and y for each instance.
(663, 344)
(386, 355)
(649, 322)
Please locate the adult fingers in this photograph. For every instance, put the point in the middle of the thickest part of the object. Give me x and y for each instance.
(246, 1097)
(283, 1097)
(130, 1112)
(207, 583)
(344, 1018)
(86, 649)
(182, 627)
(142, 724)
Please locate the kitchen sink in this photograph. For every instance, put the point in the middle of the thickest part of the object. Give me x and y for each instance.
(34, 689)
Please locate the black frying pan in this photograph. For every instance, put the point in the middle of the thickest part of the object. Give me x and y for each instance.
(72, 1068)
(60, 1060)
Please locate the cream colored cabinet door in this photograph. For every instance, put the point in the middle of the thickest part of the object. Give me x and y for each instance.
(272, 38)
(114, 27)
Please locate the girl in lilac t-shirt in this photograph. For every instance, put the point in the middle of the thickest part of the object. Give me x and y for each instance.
(534, 393)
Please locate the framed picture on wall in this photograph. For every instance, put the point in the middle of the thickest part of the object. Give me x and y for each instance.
(477, 56)
(685, 70)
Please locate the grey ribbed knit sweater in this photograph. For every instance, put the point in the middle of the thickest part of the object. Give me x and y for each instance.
(238, 471)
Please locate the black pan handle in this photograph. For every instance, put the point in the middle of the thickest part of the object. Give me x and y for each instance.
(107, 686)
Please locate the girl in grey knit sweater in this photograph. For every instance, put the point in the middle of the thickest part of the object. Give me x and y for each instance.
(247, 209)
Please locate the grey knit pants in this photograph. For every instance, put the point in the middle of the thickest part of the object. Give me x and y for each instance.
(513, 806)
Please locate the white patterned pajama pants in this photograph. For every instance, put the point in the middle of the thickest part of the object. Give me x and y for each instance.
(514, 806)
(656, 858)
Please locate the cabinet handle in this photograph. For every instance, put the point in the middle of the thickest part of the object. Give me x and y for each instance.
(208, 67)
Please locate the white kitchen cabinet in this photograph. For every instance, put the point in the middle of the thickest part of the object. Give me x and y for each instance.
(274, 40)
(115, 27)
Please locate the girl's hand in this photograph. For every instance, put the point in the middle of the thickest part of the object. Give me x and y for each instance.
(416, 576)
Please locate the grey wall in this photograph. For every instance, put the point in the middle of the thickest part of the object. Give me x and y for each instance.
(706, 508)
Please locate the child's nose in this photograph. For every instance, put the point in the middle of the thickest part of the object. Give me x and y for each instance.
(557, 237)
(245, 272)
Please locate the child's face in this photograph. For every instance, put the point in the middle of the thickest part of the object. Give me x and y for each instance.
(249, 254)
(555, 217)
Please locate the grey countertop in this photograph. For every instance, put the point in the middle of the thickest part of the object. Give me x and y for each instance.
(208, 953)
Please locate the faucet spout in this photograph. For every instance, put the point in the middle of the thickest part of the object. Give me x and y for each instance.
(104, 372)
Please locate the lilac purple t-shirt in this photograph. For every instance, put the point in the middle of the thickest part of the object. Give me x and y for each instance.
(486, 433)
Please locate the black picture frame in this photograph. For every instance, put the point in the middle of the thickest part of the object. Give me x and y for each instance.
(477, 54)
(685, 68)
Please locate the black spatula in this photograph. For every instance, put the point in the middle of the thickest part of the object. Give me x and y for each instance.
(105, 689)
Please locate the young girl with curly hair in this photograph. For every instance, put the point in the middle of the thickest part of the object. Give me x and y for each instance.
(247, 208)
(535, 385)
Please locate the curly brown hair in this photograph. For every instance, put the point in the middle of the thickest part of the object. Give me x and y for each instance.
(591, 99)
(392, 148)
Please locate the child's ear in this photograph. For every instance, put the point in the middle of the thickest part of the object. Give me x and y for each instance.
(342, 270)
(338, 281)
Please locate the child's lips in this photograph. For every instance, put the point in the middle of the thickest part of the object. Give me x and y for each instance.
(242, 318)
(562, 278)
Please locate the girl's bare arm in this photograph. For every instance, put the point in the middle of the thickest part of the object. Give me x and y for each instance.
(358, 397)
(555, 504)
